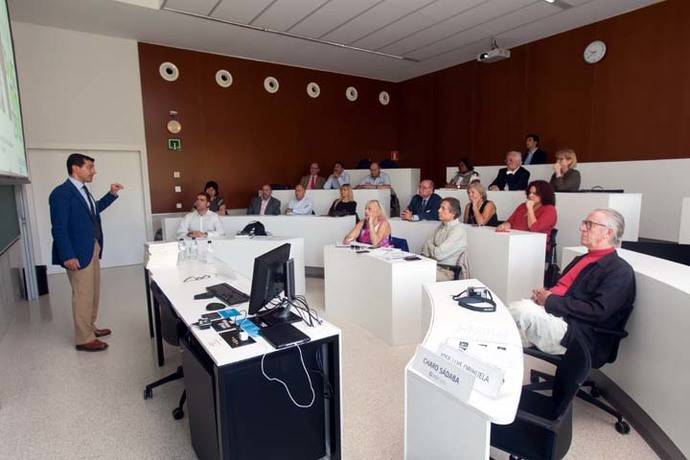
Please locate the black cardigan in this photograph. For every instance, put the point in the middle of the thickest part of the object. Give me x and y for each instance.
(602, 296)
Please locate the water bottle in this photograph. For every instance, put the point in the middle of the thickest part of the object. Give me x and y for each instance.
(194, 253)
(180, 250)
(209, 252)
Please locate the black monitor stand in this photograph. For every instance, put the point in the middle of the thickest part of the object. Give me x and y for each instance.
(282, 314)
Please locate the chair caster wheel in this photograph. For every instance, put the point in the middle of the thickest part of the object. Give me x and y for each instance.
(148, 394)
(595, 392)
(178, 413)
(622, 427)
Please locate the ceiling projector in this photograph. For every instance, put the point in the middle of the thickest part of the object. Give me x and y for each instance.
(493, 55)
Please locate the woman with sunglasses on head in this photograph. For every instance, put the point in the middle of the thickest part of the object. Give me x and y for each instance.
(537, 213)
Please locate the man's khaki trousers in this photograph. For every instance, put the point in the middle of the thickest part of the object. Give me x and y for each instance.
(86, 285)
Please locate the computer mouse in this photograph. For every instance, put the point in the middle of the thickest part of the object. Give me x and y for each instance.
(213, 306)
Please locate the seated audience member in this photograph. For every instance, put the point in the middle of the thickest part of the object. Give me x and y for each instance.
(313, 180)
(479, 211)
(339, 177)
(424, 205)
(596, 290)
(373, 229)
(537, 213)
(202, 222)
(565, 177)
(376, 178)
(448, 243)
(534, 155)
(264, 204)
(514, 176)
(345, 205)
(465, 175)
(301, 205)
(216, 204)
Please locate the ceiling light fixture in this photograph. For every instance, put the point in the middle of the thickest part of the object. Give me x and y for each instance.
(287, 34)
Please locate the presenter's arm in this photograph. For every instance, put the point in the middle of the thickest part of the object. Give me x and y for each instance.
(109, 197)
(59, 218)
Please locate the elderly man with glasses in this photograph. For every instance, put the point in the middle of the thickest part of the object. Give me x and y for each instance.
(595, 290)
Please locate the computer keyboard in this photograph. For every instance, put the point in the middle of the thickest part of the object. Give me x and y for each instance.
(228, 294)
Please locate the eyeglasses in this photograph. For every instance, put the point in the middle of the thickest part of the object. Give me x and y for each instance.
(588, 224)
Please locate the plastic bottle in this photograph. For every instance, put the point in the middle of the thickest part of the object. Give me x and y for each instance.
(194, 252)
(181, 250)
(209, 251)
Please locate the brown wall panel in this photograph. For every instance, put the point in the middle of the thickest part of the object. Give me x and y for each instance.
(632, 105)
(242, 136)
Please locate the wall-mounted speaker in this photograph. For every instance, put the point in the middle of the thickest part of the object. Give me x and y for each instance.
(169, 71)
(313, 90)
(384, 98)
(223, 78)
(351, 93)
(271, 84)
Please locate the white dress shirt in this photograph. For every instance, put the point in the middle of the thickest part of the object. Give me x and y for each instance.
(381, 179)
(80, 187)
(264, 203)
(335, 182)
(303, 207)
(208, 223)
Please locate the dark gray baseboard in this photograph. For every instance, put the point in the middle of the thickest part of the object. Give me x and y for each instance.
(660, 443)
(313, 272)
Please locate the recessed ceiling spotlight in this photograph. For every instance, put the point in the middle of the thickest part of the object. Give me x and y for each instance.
(560, 4)
(549, 1)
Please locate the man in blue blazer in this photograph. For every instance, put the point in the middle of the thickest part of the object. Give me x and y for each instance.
(78, 245)
(424, 205)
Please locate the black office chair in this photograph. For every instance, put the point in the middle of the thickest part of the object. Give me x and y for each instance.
(172, 328)
(551, 269)
(543, 425)
(543, 381)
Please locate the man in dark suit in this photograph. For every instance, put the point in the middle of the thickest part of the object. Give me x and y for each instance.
(596, 290)
(514, 176)
(78, 245)
(264, 204)
(313, 181)
(534, 155)
(424, 205)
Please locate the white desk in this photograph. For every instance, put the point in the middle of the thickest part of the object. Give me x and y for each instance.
(572, 208)
(437, 425)
(684, 232)
(323, 199)
(511, 264)
(317, 231)
(652, 365)
(404, 181)
(382, 296)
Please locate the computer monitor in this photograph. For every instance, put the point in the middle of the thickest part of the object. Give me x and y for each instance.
(273, 274)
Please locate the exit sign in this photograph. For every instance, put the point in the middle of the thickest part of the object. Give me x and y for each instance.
(174, 144)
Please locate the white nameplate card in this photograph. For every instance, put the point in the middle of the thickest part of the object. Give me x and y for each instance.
(443, 373)
(487, 378)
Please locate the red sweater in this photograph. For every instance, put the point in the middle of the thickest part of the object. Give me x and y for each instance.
(546, 220)
(569, 277)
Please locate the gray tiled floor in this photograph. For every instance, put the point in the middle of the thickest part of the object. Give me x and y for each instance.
(56, 403)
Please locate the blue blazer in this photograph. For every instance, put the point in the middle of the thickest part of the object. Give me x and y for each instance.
(73, 226)
(430, 212)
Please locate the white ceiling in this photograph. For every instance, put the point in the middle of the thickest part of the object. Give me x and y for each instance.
(434, 33)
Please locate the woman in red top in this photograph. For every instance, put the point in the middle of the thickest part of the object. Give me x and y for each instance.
(537, 213)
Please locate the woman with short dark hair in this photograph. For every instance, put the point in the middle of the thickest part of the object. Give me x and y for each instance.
(537, 213)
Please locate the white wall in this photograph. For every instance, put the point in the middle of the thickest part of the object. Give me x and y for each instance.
(662, 183)
(80, 92)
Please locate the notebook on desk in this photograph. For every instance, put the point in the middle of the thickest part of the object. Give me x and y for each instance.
(284, 335)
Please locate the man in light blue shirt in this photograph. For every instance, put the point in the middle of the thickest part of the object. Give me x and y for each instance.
(301, 205)
(338, 178)
(376, 178)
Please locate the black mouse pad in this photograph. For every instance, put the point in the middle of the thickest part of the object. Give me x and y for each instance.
(233, 339)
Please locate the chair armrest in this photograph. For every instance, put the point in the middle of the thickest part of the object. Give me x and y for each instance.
(536, 420)
(537, 353)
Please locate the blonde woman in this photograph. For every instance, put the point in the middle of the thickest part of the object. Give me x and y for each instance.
(345, 205)
(374, 229)
(565, 177)
(479, 211)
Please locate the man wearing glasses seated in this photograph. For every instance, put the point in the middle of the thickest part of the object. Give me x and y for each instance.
(595, 290)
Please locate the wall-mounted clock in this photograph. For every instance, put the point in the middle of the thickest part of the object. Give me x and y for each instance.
(594, 52)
